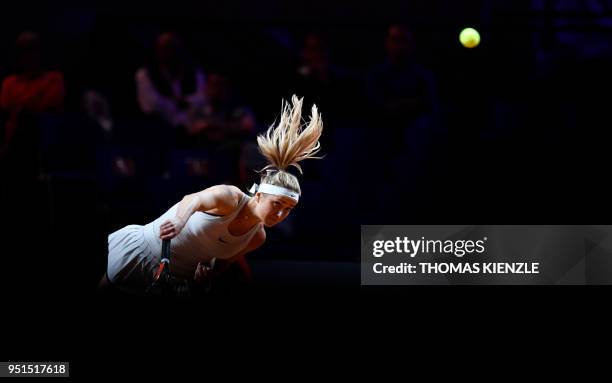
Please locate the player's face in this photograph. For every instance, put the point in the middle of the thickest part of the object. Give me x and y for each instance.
(273, 209)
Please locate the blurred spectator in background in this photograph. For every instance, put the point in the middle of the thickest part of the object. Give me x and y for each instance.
(328, 85)
(171, 87)
(402, 94)
(31, 91)
(222, 118)
(224, 125)
(98, 110)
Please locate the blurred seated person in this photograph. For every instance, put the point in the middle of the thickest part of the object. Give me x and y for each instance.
(222, 119)
(325, 83)
(402, 95)
(171, 87)
(31, 91)
(401, 89)
(225, 126)
(402, 99)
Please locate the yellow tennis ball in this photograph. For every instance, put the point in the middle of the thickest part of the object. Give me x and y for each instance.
(469, 37)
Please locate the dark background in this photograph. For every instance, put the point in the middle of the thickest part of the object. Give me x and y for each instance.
(518, 134)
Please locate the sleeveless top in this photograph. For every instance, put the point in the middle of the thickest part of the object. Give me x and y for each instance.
(203, 238)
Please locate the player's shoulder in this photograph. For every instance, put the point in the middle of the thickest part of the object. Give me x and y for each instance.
(232, 191)
(227, 195)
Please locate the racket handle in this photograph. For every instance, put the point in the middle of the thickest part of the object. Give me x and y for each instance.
(165, 249)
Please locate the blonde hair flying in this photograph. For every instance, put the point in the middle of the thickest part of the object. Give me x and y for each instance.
(290, 142)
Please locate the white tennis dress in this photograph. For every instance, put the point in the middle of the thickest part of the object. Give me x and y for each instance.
(134, 251)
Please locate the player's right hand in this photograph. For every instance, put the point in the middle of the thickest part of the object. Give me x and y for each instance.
(171, 228)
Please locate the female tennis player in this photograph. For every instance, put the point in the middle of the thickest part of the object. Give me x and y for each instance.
(220, 222)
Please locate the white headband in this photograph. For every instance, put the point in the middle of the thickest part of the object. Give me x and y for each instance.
(276, 190)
